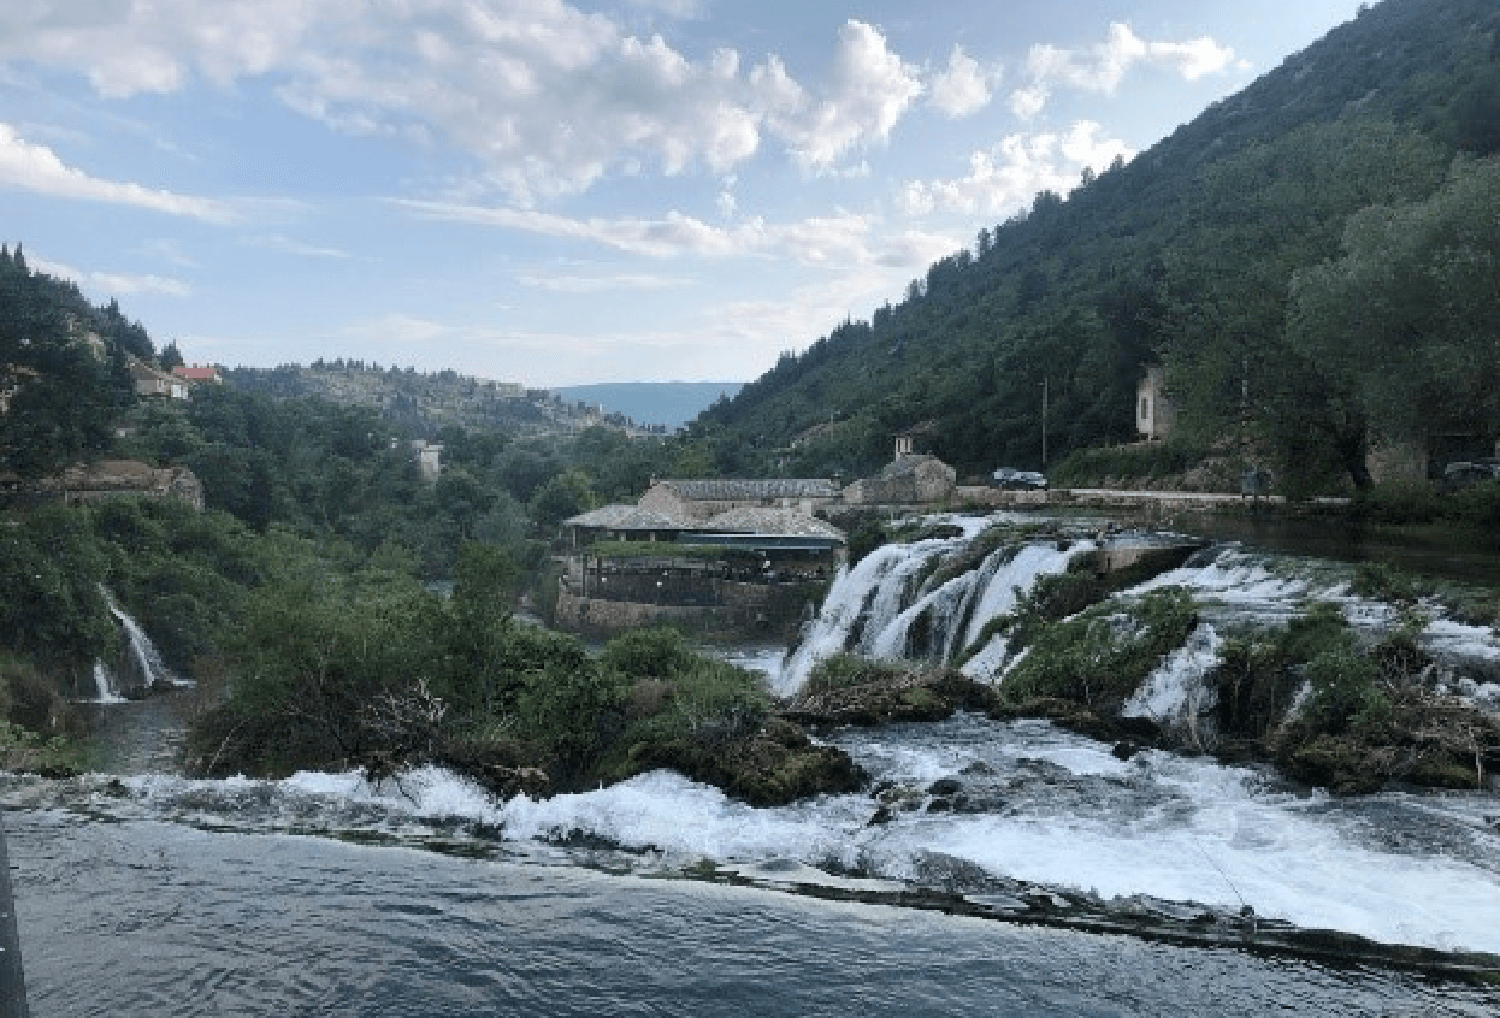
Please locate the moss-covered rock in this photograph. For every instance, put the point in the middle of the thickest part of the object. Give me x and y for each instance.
(774, 766)
(891, 694)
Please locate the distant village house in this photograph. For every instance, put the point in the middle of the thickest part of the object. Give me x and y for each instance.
(208, 373)
(154, 383)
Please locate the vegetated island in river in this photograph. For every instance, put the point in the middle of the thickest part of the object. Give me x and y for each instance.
(386, 676)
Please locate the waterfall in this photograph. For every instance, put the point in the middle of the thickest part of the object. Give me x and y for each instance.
(142, 661)
(878, 610)
(1175, 695)
(104, 685)
(860, 604)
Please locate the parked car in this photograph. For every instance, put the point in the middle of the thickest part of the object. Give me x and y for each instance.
(1018, 480)
(1465, 472)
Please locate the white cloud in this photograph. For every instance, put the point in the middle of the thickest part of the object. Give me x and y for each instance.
(1028, 102)
(845, 238)
(727, 203)
(115, 283)
(1101, 67)
(1006, 177)
(545, 97)
(869, 88)
(129, 48)
(289, 245)
(963, 87)
(37, 168)
(732, 339)
(400, 329)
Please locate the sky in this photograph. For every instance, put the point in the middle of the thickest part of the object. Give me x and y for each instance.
(557, 193)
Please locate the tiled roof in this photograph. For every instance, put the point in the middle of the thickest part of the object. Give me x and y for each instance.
(628, 517)
(196, 373)
(771, 521)
(731, 490)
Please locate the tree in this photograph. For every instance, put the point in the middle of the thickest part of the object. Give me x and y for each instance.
(171, 357)
(567, 494)
(1407, 320)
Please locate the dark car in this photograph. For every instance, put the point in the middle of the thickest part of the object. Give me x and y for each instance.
(1466, 472)
(1018, 480)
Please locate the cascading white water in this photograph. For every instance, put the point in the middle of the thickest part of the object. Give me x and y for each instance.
(941, 608)
(1175, 694)
(104, 685)
(862, 600)
(873, 608)
(148, 665)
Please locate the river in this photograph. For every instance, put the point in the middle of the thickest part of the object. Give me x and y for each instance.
(141, 892)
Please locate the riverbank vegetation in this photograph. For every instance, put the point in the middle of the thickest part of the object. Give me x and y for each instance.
(375, 672)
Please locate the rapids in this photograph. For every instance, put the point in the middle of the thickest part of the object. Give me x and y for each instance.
(141, 891)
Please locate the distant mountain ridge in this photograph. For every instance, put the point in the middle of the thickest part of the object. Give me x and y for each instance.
(422, 403)
(671, 404)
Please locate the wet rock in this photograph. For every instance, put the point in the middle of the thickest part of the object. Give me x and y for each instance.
(944, 786)
(978, 768)
(1124, 750)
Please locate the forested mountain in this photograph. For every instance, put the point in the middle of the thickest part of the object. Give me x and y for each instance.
(1314, 259)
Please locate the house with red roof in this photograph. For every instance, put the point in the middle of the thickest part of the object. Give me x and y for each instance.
(198, 373)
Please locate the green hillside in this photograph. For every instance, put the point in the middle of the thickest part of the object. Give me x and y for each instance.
(1223, 252)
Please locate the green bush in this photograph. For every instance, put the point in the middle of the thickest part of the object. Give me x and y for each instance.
(1345, 693)
(1084, 468)
(1385, 582)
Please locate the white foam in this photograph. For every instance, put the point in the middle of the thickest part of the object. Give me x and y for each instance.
(1174, 693)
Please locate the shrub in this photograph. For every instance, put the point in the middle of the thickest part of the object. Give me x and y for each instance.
(1345, 694)
(1384, 582)
(843, 671)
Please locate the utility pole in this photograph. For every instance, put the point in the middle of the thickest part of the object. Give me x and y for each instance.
(12, 981)
(1044, 423)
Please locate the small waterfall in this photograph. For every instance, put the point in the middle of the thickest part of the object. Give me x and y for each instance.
(1015, 576)
(104, 685)
(939, 612)
(141, 661)
(1175, 695)
(861, 603)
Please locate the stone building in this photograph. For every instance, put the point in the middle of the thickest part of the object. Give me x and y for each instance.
(911, 478)
(429, 456)
(107, 479)
(1154, 412)
(151, 382)
(624, 523)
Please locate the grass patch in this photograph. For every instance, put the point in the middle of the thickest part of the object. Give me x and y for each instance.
(843, 671)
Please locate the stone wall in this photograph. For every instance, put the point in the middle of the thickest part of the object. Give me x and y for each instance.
(728, 609)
